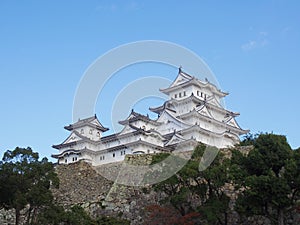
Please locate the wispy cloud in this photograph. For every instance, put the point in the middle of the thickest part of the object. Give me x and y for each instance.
(259, 42)
(249, 45)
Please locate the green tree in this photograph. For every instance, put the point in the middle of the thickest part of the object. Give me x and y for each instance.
(207, 186)
(210, 187)
(267, 178)
(24, 180)
(56, 215)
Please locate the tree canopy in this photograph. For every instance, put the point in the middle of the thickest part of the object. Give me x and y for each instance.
(267, 179)
(266, 182)
(25, 181)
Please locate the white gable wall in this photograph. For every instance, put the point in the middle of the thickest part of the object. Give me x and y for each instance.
(90, 132)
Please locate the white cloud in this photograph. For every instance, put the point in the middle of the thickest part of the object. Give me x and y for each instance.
(249, 45)
(259, 42)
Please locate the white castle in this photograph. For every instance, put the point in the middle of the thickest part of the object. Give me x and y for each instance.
(192, 114)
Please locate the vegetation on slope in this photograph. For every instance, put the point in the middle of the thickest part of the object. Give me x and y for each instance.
(25, 183)
(265, 182)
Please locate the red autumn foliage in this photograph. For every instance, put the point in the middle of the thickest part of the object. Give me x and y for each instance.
(158, 215)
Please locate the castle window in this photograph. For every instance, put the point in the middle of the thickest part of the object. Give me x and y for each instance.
(82, 131)
(75, 158)
(179, 94)
(201, 94)
(66, 160)
(184, 93)
(98, 134)
(175, 95)
(198, 93)
(114, 154)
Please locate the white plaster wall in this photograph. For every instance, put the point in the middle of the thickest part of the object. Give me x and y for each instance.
(109, 157)
(67, 159)
(90, 133)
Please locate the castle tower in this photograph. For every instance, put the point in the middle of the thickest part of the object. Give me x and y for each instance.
(195, 107)
(84, 134)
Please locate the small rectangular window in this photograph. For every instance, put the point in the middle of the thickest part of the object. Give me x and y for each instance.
(184, 93)
(114, 154)
(175, 95)
(179, 94)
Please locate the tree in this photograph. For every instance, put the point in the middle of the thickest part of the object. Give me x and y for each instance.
(211, 187)
(267, 178)
(25, 181)
(206, 186)
(158, 215)
(76, 215)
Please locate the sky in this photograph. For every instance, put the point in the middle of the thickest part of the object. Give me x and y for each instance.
(252, 47)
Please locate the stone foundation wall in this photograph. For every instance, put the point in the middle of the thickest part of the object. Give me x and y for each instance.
(81, 184)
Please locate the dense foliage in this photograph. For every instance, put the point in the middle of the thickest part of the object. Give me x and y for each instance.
(25, 182)
(190, 185)
(266, 182)
(56, 215)
(268, 178)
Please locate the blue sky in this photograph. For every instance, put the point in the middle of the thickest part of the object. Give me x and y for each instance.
(253, 48)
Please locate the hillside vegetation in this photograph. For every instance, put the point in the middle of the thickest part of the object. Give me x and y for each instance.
(261, 186)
